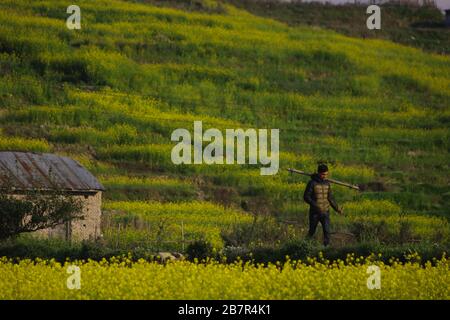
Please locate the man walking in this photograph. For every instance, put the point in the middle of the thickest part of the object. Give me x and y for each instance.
(319, 197)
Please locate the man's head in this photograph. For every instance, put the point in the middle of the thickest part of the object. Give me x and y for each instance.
(322, 170)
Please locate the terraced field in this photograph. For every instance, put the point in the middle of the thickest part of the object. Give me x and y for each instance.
(110, 95)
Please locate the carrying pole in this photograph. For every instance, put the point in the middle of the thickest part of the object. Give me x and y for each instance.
(348, 185)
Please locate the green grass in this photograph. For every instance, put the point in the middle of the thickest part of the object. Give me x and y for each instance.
(110, 94)
(421, 27)
(153, 222)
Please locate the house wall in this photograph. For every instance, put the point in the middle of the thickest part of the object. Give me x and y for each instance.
(85, 229)
(89, 227)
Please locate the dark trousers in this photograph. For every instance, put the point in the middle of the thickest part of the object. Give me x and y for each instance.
(324, 219)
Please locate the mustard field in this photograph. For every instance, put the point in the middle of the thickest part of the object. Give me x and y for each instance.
(120, 278)
(110, 94)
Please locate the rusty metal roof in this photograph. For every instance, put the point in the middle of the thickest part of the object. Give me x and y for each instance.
(44, 171)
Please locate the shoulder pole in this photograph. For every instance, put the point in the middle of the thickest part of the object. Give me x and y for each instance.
(348, 185)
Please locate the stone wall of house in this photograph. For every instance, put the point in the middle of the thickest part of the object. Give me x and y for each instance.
(79, 229)
(89, 227)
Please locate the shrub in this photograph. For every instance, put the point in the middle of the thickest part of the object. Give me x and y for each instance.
(297, 249)
(27, 247)
(199, 249)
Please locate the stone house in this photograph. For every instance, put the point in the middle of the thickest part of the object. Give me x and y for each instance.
(24, 172)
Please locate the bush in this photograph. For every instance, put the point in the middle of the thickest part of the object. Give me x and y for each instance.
(297, 249)
(26, 247)
(200, 250)
(301, 249)
(426, 250)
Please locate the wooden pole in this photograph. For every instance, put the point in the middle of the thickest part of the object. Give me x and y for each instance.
(329, 180)
(182, 236)
(118, 237)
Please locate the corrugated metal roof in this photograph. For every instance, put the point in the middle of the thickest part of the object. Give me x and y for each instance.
(44, 171)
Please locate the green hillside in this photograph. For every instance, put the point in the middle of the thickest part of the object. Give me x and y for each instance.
(110, 95)
(417, 26)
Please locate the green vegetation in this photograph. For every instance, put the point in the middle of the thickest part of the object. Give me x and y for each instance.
(412, 25)
(312, 279)
(156, 222)
(110, 94)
